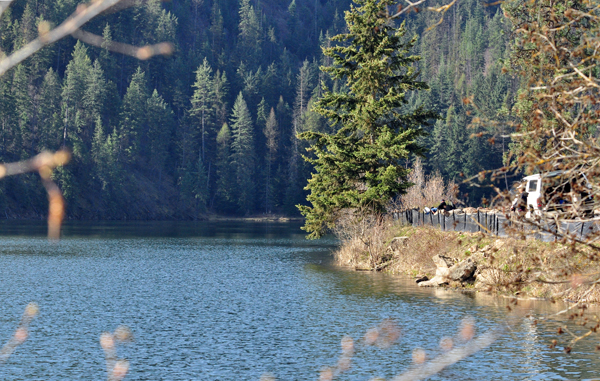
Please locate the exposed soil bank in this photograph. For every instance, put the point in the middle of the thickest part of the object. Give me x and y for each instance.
(512, 266)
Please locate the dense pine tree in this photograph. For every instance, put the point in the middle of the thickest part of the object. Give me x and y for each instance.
(202, 102)
(242, 155)
(271, 132)
(226, 178)
(133, 116)
(359, 167)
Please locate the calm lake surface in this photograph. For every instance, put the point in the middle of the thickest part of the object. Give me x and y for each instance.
(233, 301)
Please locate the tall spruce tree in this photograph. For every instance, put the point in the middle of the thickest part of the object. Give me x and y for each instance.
(74, 85)
(49, 112)
(133, 116)
(226, 180)
(156, 139)
(359, 167)
(271, 134)
(202, 100)
(242, 157)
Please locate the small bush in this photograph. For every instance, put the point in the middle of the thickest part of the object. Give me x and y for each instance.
(428, 191)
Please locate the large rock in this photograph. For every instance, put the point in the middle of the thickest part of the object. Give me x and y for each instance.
(462, 271)
(434, 282)
(421, 278)
(449, 270)
(443, 262)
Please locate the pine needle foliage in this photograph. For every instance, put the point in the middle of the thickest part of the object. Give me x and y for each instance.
(360, 166)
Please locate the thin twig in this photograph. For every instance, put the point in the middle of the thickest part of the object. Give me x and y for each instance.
(452, 357)
(21, 333)
(141, 53)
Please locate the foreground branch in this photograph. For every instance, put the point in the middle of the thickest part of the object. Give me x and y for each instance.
(21, 333)
(80, 17)
(44, 164)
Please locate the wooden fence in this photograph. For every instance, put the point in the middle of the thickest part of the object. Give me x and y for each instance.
(496, 223)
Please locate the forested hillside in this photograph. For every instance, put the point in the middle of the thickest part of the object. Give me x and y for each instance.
(463, 60)
(213, 127)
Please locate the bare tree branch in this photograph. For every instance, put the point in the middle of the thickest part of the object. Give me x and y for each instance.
(4, 5)
(436, 365)
(80, 17)
(142, 53)
(411, 6)
(116, 369)
(44, 164)
(21, 333)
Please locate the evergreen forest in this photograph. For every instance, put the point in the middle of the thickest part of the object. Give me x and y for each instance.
(214, 127)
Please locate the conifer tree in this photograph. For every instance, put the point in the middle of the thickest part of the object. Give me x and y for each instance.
(261, 114)
(438, 147)
(9, 135)
(220, 91)
(23, 106)
(160, 125)
(271, 132)
(49, 112)
(242, 150)
(202, 100)
(133, 115)
(249, 31)
(359, 167)
(457, 141)
(94, 97)
(294, 193)
(216, 29)
(74, 86)
(226, 179)
(193, 186)
(104, 157)
(107, 59)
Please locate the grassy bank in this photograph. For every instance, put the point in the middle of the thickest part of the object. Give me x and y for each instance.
(512, 266)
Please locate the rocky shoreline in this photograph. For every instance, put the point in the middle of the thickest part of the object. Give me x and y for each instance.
(479, 262)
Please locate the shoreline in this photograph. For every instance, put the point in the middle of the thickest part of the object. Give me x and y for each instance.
(209, 218)
(511, 267)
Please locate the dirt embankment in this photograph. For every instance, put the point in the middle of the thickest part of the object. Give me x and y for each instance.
(527, 268)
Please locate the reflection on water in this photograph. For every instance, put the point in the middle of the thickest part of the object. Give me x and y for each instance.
(232, 301)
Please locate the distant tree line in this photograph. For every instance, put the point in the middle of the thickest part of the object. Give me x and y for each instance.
(214, 127)
(464, 62)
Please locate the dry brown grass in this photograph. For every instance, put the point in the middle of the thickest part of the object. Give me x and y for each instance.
(414, 257)
(541, 269)
(506, 265)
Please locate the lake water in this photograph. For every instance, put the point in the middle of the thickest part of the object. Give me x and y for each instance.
(233, 301)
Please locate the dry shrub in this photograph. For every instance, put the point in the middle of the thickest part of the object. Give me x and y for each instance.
(551, 270)
(428, 190)
(364, 240)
